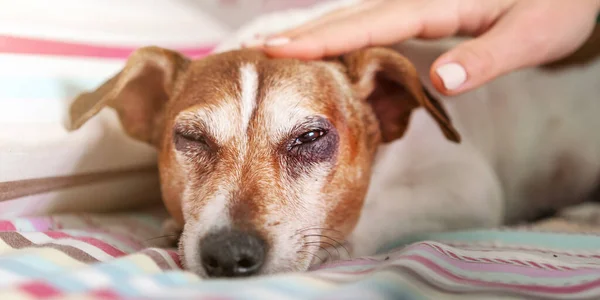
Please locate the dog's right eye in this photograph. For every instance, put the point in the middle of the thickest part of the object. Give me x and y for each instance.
(309, 137)
(186, 141)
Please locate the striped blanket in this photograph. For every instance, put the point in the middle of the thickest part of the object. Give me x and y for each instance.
(118, 256)
(51, 51)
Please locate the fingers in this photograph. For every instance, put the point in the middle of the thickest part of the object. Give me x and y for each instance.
(521, 38)
(329, 18)
(374, 23)
(515, 34)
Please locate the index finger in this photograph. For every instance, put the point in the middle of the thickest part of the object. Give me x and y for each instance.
(383, 24)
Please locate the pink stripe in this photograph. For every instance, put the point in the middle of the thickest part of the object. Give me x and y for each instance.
(510, 267)
(7, 226)
(40, 290)
(518, 262)
(41, 224)
(131, 242)
(95, 228)
(469, 258)
(108, 249)
(21, 45)
(104, 294)
(533, 263)
(176, 259)
(577, 288)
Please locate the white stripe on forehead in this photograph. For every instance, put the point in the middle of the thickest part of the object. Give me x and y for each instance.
(229, 117)
(249, 84)
(220, 121)
(284, 108)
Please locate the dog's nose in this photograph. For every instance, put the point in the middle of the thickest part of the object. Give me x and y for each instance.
(232, 254)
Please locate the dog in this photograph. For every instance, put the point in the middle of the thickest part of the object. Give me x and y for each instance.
(266, 164)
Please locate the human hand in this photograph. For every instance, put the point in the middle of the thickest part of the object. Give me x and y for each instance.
(510, 34)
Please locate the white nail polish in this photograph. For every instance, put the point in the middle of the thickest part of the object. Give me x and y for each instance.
(255, 42)
(275, 42)
(453, 75)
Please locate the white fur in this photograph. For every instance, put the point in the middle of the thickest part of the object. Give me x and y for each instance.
(302, 213)
(304, 206)
(214, 216)
(213, 117)
(249, 80)
(283, 114)
(516, 130)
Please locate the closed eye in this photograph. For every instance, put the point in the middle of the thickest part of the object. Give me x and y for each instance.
(187, 140)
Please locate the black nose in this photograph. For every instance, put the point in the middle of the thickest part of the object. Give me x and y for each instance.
(232, 254)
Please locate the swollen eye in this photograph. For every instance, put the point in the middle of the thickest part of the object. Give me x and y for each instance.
(185, 141)
(309, 137)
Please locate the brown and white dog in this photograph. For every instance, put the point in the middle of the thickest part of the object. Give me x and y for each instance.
(265, 161)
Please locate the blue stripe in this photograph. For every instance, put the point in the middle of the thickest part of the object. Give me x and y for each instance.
(556, 241)
(66, 284)
(26, 270)
(120, 277)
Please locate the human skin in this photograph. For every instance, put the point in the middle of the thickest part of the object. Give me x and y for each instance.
(509, 34)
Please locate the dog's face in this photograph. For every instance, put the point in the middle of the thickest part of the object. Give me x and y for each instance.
(264, 161)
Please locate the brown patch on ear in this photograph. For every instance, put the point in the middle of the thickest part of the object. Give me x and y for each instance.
(138, 93)
(390, 84)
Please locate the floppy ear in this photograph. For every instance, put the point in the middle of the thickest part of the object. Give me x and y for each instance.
(391, 85)
(138, 93)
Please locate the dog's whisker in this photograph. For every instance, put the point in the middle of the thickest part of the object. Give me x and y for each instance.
(338, 243)
(320, 247)
(328, 244)
(318, 228)
(162, 237)
(313, 254)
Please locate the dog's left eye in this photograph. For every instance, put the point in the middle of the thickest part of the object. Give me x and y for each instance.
(184, 141)
(309, 137)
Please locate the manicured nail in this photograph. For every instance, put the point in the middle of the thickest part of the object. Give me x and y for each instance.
(278, 41)
(254, 42)
(453, 75)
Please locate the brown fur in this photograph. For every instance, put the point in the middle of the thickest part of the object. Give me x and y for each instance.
(366, 97)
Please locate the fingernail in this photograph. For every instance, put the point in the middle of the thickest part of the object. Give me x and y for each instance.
(453, 75)
(255, 42)
(278, 41)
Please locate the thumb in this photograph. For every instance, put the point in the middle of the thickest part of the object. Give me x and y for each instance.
(516, 41)
(509, 45)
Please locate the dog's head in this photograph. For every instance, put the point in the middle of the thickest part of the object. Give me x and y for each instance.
(263, 160)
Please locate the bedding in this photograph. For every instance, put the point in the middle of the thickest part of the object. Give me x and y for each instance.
(116, 256)
(51, 52)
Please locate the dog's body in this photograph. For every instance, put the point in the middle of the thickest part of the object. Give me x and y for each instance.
(267, 161)
(530, 146)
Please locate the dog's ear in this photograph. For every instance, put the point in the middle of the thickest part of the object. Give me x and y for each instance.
(391, 85)
(138, 92)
